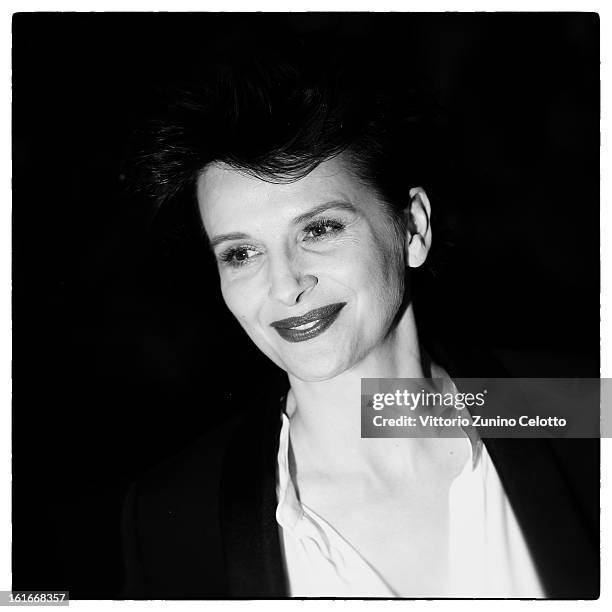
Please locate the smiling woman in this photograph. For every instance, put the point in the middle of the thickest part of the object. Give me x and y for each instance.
(311, 178)
(319, 254)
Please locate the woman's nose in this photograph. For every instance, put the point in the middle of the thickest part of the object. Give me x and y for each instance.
(288, 284)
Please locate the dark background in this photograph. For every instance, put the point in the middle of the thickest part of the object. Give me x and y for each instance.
(123, 350)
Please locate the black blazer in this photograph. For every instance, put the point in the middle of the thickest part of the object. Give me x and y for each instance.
(202, 525)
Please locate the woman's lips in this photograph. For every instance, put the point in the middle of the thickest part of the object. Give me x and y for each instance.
(309, 325)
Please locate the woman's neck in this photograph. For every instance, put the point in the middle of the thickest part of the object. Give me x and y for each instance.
(326, 415)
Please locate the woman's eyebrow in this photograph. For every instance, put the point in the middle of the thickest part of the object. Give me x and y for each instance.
(313, 212)
(300, 219)
(217, 240)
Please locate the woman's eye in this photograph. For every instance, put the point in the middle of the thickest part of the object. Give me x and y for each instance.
(238, 256)
(323, 228)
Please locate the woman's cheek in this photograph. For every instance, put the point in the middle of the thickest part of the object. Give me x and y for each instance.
(231, 292)
(346, 250)
(241, 293)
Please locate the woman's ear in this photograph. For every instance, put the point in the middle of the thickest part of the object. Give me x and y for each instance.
(418, 222)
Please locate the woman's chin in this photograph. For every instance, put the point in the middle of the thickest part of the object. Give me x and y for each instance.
(313, 362)
(315, 369)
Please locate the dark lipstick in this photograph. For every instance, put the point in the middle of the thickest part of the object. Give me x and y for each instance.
(321, 317)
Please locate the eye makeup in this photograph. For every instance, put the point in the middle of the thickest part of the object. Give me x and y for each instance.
(315, 231)
(323, 228)
(237, 256)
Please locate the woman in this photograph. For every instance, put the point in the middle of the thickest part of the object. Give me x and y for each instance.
(311, 184)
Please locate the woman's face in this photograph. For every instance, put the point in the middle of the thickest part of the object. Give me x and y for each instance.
(321, 248)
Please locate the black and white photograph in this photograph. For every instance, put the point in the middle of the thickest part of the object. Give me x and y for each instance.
(253, 256)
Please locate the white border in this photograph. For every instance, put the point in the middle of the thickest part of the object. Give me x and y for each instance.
(298, 6)
(325, 5)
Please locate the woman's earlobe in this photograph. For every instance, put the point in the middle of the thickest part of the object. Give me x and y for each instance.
(417, 251)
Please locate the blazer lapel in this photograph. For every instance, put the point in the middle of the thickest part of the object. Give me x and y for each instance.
(562, 546)
(547, 505)
(251, 541)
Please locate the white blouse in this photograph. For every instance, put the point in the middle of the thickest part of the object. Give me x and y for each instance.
(488, 556)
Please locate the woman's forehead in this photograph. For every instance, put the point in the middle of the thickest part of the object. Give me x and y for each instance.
(226, 194)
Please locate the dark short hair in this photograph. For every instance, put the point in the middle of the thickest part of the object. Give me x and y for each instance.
(277, 113)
